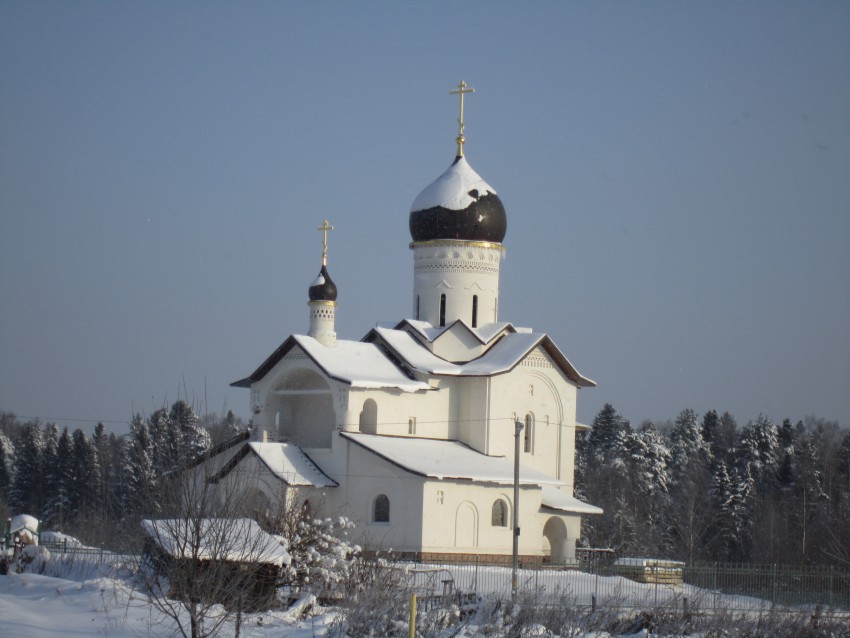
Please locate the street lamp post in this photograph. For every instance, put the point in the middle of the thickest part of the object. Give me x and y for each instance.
(517, 430)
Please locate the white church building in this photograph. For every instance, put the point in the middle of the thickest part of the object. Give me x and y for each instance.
(410, 431)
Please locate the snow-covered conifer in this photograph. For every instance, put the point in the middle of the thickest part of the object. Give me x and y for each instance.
(25, 490)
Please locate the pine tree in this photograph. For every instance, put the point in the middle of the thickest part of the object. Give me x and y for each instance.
(759, 449)
(49, 471)
(137, 469)
(85, 473)
(687, 445)
(648, 476)
(100, 443)
(25, 490)
(605, 432)
(7, 463)
(61, 502)
(194, 440)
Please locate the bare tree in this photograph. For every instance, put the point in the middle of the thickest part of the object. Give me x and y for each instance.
(205, 563)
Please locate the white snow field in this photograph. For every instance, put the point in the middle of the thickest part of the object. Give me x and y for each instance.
(98, 599)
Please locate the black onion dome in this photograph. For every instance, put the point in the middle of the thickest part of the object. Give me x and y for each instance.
(323, 288)
(458, 205)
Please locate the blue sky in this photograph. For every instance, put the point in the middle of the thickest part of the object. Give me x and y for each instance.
(676, 177)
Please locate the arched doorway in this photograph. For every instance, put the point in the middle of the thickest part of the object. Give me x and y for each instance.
(555, 536)
(466, 526)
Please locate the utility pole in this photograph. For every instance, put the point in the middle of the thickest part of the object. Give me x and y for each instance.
(517, 431)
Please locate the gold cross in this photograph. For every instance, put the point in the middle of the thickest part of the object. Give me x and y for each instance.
(461, 89)
(325, 227)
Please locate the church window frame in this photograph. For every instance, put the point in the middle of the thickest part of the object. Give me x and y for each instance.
(442, 310)
(499, 513)
(474, 311)
(528, 434)
(411, 425)
(381, 509)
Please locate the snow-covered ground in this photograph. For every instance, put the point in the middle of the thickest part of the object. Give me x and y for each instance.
(89, 598)
(36, 606)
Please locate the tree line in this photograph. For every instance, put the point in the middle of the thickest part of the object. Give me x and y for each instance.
(98, 486)
(694, 489)
(706, 490)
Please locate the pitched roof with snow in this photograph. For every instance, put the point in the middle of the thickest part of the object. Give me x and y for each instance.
(286, 461)
(230, 539)
(360, 364)
(441, 459)
(504, 355)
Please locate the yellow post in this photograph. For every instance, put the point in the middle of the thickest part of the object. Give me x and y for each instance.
(413, 615)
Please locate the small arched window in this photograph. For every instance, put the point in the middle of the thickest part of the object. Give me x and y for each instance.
(474, 311)
(529, 434)
(443, 309)
(369, 417)
(499, 517)
(417, 307)
(381, 509)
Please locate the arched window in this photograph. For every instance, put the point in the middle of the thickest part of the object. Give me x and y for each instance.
(499, 517)
(529, 434)
(381, 509)
(443, 309)
(474, 311)
(369, 417)
(417, 306)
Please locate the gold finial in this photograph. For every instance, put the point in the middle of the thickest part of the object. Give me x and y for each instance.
(461, 89)
(325, 227)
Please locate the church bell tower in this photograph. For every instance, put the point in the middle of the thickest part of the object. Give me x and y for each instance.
(457, 225)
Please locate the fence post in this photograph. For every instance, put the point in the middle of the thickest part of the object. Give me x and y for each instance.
(413, 615)
(685, 607)
(593, 602)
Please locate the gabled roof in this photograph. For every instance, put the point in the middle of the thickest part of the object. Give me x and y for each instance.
(503, 356)
(446, 460)
(229, 539)
(358, 363)
(484, 334)
(285, 461)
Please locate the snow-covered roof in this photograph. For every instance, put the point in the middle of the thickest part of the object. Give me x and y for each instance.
(288, 462)
(443, 459)
(358, 363)
(451, 189)
(361, 364)
(558, 500)
(229, 539)
(24, 521)
(484, 334)
(501, 357)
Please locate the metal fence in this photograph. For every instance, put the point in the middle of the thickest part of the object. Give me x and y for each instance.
(699, 587)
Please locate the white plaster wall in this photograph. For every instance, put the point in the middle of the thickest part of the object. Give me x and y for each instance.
(443, 502)
(538, 388)
(432, 410)
(458, 269)
(362, 476)
(457, 345)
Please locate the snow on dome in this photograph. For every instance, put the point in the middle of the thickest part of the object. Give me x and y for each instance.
(323, 288)
(453, 189)
(459, 205)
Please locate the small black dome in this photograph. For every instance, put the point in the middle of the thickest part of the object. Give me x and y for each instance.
(458, 205)
(323, 288)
